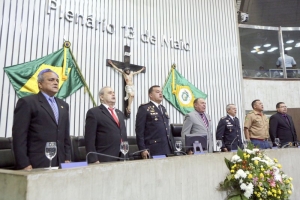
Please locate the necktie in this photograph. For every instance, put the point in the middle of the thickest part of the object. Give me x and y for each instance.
(54, 108)
(286, 119)
(204, 120)
(160, 108)
(114, 116)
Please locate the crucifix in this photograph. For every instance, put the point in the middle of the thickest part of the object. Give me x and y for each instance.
(128, 71)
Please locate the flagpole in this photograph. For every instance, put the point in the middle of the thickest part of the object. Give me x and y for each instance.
(82, 78)
(173, 67)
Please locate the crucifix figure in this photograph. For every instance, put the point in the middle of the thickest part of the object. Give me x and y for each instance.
(128, 71)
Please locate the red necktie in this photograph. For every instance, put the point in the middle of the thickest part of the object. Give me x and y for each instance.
(114, 116)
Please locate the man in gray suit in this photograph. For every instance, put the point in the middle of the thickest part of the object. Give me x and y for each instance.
(198, 122)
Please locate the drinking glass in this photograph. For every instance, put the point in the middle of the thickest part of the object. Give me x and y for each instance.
(50, 151)
(124, 147)
(219, 144)
(277, 141)
(178, 145)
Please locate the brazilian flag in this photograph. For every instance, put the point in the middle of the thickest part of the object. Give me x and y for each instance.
(23, 77)
(180, 92)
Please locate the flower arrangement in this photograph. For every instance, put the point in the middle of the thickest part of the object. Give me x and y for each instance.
(253, 175)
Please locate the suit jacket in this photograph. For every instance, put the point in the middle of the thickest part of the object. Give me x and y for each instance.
(279, 128)
(34, 124)
(193, 124)
(153, 130)
(102, 134)
(229, 132)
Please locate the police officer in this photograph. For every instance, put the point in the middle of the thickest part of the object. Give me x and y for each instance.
(152, 126)
(229, 130)
(256, 126)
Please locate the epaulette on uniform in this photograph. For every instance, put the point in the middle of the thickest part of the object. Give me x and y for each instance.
(224, 117)
(144, 104)
(250, 112)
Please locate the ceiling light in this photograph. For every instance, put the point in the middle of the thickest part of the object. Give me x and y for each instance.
(253, 51)
(297, 44)
(267, 45)
(270, 50)
(288, 48)
(260, 52)
(290, 41)
(256, 47)
(274, 48)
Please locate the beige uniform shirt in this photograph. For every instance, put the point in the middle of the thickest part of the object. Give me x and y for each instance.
(258, 125)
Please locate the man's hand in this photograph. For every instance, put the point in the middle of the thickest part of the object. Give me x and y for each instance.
(225, 150)
(97, 162)
(29, 167)
(190, 152)
(67, 161)
(110, 62)
(145, 154)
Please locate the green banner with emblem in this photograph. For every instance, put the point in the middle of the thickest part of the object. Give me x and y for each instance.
(180, 92)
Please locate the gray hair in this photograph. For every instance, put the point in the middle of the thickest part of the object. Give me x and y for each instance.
(101, 92)
(229, 106)
(40, 77)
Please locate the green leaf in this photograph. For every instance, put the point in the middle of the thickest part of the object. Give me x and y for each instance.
(240, 153)
(228, 163)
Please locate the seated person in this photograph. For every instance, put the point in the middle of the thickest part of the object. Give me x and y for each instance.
(261, 72)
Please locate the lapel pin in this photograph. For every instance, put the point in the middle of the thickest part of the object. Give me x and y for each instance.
(61, 106)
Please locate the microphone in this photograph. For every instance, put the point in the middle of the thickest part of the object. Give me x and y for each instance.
(233, 142)
(101, 154)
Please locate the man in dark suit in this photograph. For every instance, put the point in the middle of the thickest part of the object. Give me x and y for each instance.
(104, 128)
(39, 119)
(152, 126)
(282, 126)
(229, 130)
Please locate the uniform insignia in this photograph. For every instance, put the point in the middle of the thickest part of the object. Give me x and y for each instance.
(227, 120)
(61, 106)
(223, 117)
(155, 119)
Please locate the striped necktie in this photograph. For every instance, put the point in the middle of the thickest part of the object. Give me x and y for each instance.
(204, 120)
(54, 108)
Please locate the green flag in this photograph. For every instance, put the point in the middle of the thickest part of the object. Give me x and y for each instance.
(23, 77)
(180, 92)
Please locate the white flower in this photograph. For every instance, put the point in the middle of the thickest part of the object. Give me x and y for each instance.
(283, 175)
(248, 189)
(236, 159)
(256, 158)
(277, 175)
(256, 150)
(240, 173)
(249, 151)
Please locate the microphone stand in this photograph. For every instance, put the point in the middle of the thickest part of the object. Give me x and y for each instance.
(101, 154)
(232, 142)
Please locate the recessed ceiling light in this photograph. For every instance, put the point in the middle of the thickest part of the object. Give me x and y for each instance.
(253, 51)
(288, 48)
(290, 41)
(274, 48)
(260, 52)
(270, 50)
(256, 47)
(297, 44)
(267, 45)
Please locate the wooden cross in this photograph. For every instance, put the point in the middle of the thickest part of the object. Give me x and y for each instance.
(122, 66)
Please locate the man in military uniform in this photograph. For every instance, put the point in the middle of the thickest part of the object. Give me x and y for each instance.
(152, 126)
(256, 126)
(229, 130)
